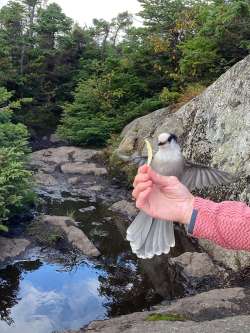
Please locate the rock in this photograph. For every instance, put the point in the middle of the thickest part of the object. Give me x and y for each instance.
(213, 129)
(61, 155)
(237, 324)
(214, 311)
(36, 165)
(74, 180)
(45, 179)
(125, 207)
(83, 169)
(216, 303)
(87, 209)
(139, 129)
(75, 236)
(236, 260)
(195, 265)
(95, 188)
(12, 247)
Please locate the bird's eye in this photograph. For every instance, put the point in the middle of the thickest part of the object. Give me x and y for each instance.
(172, 137)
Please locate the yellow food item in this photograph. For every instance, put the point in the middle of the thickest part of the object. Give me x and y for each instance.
(150, 151)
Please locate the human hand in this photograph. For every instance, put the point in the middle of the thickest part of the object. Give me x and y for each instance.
(161, 197)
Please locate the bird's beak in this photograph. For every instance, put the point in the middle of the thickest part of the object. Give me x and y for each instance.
(161, 143)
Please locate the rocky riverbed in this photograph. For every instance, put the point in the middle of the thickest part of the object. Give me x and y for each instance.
(80, 233)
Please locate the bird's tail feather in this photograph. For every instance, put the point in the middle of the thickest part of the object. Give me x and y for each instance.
(149, 237)
(138, 230)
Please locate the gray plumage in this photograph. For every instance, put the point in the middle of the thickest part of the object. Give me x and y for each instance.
(149, 236)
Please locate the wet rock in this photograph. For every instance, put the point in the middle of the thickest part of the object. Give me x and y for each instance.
(195, 265)
(87, 209)
(83, 169)
(75, 236)
(45, 179)
(219, 310)
(12, 247)
(213, 129)
(125, 207)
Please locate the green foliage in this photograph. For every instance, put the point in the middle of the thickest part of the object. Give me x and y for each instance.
(101, 77)
(102, 106)
(169, 97)
(222, 40)
(3, 228)
(199, 58)
(190, 91)
(15, 179)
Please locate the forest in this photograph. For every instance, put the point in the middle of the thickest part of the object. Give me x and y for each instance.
(87, 82)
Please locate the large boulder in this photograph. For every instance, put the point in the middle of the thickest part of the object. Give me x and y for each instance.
(214, 129)
(219, 310)
(236, 324)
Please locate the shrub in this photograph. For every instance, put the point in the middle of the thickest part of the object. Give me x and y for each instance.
(191, 91)
(15, 180)
(169, 97)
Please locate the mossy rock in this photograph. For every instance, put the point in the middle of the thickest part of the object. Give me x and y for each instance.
(166, 317)
(45, 235)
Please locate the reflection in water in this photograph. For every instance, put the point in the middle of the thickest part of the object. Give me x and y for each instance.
(50, 299)
(59, 292)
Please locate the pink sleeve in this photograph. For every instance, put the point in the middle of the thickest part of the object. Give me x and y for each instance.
(226, 223)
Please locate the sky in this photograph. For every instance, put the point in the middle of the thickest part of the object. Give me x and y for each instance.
(83, 11)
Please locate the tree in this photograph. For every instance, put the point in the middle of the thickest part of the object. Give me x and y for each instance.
(222, 40)
(12, 25)
(15, 179)
(120, 24)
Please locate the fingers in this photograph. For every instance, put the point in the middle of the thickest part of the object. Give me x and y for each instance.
(140, 188)
(142, 198)
(143, 169)
(140, 178)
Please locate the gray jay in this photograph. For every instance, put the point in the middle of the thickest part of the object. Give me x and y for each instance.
(149, 236)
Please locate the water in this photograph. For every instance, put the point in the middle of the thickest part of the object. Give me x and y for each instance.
(46, 298)
(60, 291)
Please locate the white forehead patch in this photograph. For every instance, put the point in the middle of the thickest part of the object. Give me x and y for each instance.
(163, 137)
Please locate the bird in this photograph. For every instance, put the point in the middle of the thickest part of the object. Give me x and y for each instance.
(149, 236)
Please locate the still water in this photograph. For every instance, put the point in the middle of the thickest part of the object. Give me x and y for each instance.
(54, 292)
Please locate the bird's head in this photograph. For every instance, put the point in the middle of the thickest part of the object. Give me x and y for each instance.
(166, 139)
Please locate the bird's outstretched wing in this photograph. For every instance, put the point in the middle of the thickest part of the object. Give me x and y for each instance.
(134, 159)
(197, 176)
